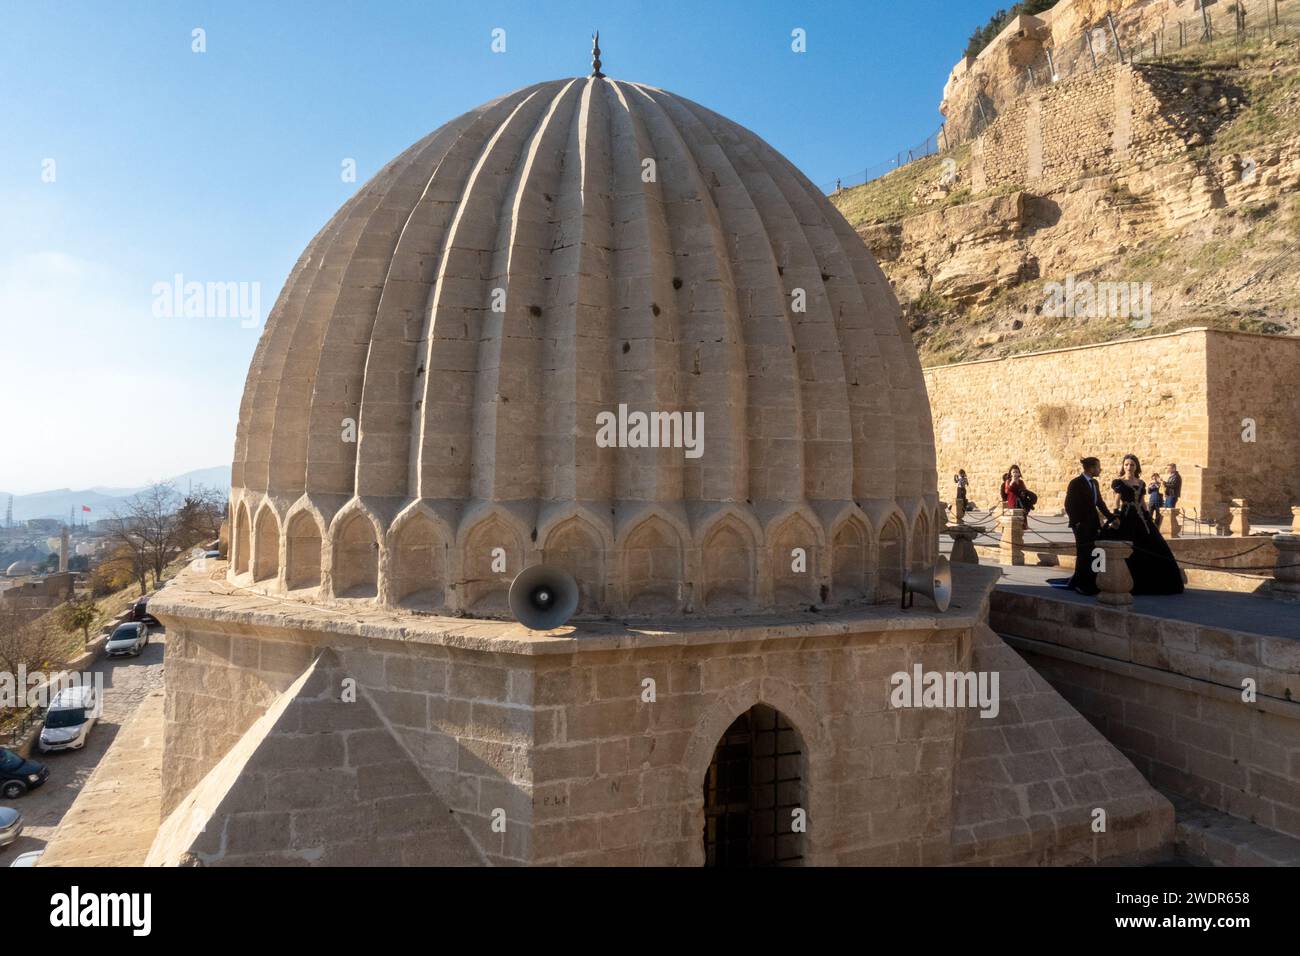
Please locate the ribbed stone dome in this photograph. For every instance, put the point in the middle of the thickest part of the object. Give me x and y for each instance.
(480, 304)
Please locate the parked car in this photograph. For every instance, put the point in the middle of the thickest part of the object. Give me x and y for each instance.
(68, 719)
(129, 639)
(27, 859)
(140, 612)
(11, 825)
(17, 775)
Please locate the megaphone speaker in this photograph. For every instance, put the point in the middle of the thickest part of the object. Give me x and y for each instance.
(543, 597)
(935, 582)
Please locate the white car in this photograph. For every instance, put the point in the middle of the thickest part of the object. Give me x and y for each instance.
(27, 859)
(129, 639)
(68, 720)
(11, 825)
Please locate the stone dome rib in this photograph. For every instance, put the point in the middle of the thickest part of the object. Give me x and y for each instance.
(870, 463)
(711, 344)
(508, 370)
(397, 349)
(824, 433)
(516, 273)
(773, 415)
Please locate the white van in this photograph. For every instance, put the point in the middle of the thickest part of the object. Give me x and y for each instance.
(71, 714)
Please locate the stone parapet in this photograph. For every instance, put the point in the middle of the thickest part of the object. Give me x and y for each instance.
(1204, 712)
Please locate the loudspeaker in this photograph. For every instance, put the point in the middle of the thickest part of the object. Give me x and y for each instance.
(543, 597)
(935, 582)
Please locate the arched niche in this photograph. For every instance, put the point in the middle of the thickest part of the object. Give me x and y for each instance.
(302, 552)
(850, 562)
(419, 564)
(727, 567)
(356, 558)
(491, 557)
(575, 547)
(921, 545)
(266, 550)
(794, 566)
(652, 568)
(892, 551)
(243, 539)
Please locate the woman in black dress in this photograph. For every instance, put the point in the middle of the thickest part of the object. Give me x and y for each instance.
(1152, 564)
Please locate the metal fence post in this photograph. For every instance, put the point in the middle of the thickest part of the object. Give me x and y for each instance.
(1114, 34)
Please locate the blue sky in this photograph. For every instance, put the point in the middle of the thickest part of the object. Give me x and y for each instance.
(220, 166)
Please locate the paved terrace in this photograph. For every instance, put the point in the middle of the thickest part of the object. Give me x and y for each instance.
(1229, 610)
(1163, 680)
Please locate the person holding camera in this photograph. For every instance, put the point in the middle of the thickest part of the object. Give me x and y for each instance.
(1015, 494)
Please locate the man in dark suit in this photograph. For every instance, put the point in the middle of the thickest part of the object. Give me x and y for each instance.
(1083, 506)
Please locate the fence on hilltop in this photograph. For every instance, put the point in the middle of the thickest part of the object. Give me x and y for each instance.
(1106, 43)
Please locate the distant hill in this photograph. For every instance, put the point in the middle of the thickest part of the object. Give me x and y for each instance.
(101, 500)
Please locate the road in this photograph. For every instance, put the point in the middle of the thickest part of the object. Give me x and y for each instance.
(126, 682)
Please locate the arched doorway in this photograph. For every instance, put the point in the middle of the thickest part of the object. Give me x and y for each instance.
(755, 810)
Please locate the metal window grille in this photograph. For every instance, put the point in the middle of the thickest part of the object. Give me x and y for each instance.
(752, 787)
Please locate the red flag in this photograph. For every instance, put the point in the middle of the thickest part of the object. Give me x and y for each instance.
(85, 507)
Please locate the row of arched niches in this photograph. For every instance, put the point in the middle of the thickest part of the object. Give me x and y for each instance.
(722, 558)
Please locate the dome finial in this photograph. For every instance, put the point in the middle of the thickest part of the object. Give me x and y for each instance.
(595, 54)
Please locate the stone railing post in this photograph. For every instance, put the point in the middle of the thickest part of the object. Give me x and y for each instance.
(1012, 524)
(1295, 519)
(1115, 581)
(1239, 523)
(1175, 527)
(1286, 570)
(963, 548)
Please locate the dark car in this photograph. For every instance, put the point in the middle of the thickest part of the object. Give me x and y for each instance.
(140, 612)
(17, 775)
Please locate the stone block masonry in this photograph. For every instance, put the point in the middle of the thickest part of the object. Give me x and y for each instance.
(1169, 695)
(1222, 405)
(1100, 122)
(594, 748)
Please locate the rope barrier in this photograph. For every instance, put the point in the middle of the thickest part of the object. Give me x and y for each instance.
(1181, 562)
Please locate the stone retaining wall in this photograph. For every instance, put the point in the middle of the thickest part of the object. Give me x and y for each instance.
(1169, 695)
(1104, 121)
(1219, 404)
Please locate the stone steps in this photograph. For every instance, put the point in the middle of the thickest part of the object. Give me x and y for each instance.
(1209, 836)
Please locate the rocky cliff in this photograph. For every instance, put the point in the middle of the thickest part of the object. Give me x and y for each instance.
(1131, 198)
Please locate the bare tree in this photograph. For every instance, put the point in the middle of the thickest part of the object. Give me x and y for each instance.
(149, 527)
(26, 643)
(116, 571)
(130, 550)
(199, 517)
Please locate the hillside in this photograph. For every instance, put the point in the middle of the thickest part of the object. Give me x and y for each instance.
(102, 501)
(1194, 210)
